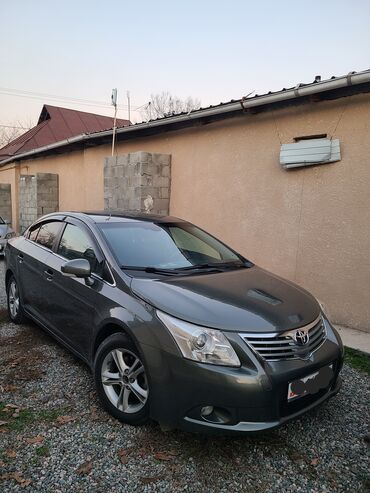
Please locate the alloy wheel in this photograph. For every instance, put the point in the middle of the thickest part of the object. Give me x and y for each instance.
(124, 380)
(13, 299)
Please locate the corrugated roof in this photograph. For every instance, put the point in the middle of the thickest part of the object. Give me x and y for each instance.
(57, 124)
(335, 87)
(300, 85)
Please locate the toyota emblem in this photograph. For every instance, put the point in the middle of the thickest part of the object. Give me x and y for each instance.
(301, 337)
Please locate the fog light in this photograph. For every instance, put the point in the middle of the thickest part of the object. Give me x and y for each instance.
(206, 411)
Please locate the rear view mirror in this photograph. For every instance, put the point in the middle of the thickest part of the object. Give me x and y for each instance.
(78, 267)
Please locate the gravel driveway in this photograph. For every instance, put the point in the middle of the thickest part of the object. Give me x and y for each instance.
(56, 438)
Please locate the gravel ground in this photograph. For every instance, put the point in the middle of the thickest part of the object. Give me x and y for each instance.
(56, 438)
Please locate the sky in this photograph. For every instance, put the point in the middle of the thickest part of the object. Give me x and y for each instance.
(210, 50)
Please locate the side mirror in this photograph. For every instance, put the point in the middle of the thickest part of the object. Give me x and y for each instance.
(78, 267)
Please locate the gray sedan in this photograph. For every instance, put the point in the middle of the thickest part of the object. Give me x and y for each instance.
(175, 325)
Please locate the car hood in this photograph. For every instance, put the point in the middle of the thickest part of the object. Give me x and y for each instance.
(238, 300)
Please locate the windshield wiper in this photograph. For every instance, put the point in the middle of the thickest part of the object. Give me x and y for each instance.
(149, 269)
(214, 265)
(172, 272)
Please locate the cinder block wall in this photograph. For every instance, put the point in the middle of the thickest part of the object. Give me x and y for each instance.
(27, 201)
(47, 193)
(138, 181)
(6, 201)
(38, 195)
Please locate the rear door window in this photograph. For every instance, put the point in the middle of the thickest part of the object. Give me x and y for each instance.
(48, 233)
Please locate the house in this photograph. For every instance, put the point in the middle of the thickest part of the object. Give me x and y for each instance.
(57, 124)
(282, 177)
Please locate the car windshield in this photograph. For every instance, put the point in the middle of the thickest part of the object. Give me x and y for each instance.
(165, 245)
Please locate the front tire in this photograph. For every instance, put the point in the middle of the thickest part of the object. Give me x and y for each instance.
(121, 380)
(15, 310)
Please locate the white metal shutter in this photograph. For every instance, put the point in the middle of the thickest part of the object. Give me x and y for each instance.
(309, 152)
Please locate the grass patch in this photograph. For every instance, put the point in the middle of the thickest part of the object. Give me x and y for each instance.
(52, 414)
(26, 417)
(357, 359)
(5, 458)
(42, 451)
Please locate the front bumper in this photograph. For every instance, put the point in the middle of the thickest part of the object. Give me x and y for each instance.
(250, 398)
(255, 426)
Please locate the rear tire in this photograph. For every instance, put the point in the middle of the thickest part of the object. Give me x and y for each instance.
(15, 309)
(121, 380)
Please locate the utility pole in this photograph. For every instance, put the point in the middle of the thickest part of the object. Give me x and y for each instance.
(129, 106)
(114, 103)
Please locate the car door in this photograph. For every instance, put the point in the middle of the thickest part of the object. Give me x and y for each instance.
(32, 256)
(71, 304)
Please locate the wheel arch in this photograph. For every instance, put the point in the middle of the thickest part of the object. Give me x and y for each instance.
(107, 329)
(9, 273)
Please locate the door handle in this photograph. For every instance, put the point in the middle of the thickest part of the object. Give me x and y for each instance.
(20, 257)
(49, 274)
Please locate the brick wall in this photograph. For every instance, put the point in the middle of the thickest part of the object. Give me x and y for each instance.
(47, 193)
(138, 181)
(38, 195)
(6, 201)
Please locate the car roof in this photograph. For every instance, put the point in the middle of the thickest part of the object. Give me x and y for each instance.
(116, 216)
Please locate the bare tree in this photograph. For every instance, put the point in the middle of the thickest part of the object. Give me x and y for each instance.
(11, 131)
(164, 104)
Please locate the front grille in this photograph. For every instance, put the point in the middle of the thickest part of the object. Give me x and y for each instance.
(286, 345)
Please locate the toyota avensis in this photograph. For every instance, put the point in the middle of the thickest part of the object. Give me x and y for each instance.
(175, 325)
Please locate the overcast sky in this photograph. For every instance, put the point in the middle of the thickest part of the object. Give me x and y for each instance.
(212, 50)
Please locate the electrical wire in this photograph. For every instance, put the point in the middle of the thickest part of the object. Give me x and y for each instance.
(38, 96)
(15, 126)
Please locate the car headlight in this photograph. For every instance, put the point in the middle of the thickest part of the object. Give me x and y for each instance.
(9, 235)
(200, 343)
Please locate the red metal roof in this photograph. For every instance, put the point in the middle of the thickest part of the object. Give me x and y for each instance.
(57, 124)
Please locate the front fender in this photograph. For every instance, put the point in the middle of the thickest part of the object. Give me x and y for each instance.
(143, 327)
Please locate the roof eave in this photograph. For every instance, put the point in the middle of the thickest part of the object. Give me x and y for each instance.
(298, 92)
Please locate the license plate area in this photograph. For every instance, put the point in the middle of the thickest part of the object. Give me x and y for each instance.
(310, 384)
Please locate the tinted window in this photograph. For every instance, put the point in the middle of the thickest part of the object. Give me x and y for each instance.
(174, 245)
(75, 243)
(187, 241)
(33, 233)
(47, 234)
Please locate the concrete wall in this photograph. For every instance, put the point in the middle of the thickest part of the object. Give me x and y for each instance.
(47, 193)
(28, 201)
(139, 181)
(10, 175)
(5, 201)
(38, 195)
(310, 225)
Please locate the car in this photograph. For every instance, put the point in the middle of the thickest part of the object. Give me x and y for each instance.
(6, 232)
(176, 326)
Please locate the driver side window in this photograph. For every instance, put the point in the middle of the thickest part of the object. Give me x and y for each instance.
(75, 243)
